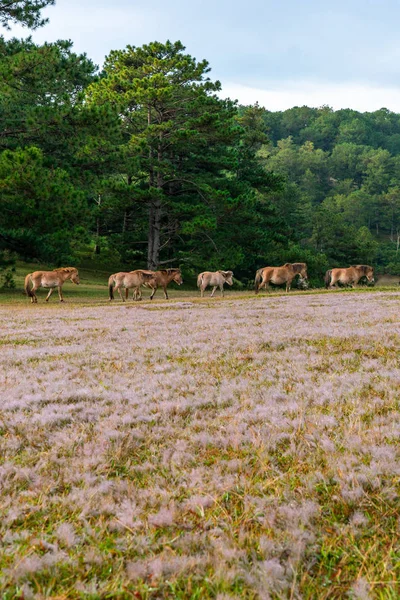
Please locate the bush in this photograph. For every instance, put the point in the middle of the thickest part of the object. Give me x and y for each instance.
(7, 262)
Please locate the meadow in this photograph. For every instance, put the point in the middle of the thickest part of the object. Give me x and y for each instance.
(233, 448)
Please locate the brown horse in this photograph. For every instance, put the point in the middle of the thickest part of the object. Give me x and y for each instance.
(348, 276)
(50, 279)
(132, 279)
(216, 279)
(158, 279)
(279, 275)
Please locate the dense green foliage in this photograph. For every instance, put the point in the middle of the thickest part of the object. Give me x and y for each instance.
(342, 173)
(144, 164)
(46, 170)
(187, 176)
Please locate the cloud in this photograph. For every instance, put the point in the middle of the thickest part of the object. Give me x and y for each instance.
(284, 95)
(97, 31)
(282, 54)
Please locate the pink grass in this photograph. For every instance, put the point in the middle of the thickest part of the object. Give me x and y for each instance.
(207, 442)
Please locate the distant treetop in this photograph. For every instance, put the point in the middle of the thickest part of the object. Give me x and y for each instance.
(23, 12)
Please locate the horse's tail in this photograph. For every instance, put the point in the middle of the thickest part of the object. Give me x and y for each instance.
(257, 280)
(111, 281)
(328, 278)
(200, 280)
(27, 286)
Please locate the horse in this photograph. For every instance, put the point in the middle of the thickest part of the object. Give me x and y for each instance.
(50, 279)
(216, 279)
(348, 276)
(157, 279)
(279, 275)
(128, 280)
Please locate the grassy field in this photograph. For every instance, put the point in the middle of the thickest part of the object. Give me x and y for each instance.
(236, 448)
(93, 287)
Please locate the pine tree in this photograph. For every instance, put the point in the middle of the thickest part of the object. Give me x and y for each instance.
(183, 162)
(23, 12)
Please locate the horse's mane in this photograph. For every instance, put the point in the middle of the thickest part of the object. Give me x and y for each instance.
(363, 268)
(66, 269)
(298, 266)
(167, 271)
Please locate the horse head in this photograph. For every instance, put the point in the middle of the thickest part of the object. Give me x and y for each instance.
(75, 277)
(369, 273)
(366, 271)
(177, 276)
(227, 275)
(301, 269)
(69, 273)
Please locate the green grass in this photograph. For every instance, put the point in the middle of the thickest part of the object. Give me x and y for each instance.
(93, 288)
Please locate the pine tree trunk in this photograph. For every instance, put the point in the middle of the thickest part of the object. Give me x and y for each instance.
(153, 251)
(155, 217)
(97, 244)
(150, 237)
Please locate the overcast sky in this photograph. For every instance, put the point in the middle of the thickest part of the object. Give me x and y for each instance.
(281, 53)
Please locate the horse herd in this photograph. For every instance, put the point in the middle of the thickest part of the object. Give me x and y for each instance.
(134, 280)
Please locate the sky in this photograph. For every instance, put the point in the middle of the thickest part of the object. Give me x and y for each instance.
(279, 53)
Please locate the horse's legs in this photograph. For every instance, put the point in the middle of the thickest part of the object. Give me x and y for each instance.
(213, 291)
(202, 291)
(33, 292)
(289, 283)
(59, 294)
(153, 292)
(127, 293)
(165, 292)
(221, 287)
(49, 294)
(118, 287)
(265, 284)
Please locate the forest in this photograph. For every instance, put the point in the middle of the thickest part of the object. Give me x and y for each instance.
(145, 164)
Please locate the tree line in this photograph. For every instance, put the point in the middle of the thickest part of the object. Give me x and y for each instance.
(144, 164)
